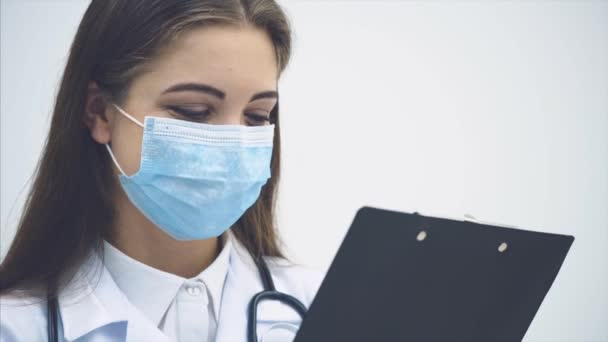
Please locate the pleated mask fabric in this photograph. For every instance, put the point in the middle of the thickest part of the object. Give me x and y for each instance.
(196, 180)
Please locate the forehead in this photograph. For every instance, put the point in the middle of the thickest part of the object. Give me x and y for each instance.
(235, 58)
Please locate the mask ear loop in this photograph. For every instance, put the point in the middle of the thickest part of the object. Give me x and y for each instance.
(108, 146)
(128, 116)
(114, 160)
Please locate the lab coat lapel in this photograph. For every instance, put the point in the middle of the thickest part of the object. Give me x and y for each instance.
(94, 308)
(242, 283)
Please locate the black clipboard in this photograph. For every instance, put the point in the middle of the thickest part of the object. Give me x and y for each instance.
(408, 277)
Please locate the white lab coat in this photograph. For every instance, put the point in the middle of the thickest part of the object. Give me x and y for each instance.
(107, 315)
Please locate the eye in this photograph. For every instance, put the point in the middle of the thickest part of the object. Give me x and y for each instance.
(191, 114)
(256, 119)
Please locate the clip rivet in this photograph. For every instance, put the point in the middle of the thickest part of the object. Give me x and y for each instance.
(421, 236)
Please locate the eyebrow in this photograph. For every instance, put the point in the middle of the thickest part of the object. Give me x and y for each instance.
(205, 88)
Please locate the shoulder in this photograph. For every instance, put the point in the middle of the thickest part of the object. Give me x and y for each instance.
(23, 318)
(301, 280)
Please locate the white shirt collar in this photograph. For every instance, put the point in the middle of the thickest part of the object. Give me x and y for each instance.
(152, 290)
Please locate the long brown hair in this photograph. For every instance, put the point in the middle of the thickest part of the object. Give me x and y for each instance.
(70, 208)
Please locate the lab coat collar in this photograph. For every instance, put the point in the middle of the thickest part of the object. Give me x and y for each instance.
(214, 276)
(93, 301)
(90, 301)
(139, 282)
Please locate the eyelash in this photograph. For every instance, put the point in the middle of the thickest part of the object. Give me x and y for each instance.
(198, 115)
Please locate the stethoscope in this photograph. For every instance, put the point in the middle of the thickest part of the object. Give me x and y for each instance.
(269, 293)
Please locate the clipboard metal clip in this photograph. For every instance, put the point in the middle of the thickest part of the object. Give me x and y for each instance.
(471, 218)
(468, 218)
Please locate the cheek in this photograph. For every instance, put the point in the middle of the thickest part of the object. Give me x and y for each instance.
(126, 146)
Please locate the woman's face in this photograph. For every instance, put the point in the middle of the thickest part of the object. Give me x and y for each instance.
(216, 75)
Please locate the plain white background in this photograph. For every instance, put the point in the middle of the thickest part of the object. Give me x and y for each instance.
(494, 108)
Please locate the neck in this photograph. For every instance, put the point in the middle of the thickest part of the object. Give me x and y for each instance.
(142, 240)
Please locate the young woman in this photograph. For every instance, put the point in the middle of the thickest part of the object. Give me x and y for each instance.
(151, 217)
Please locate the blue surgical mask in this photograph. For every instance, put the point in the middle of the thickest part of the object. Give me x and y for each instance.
(196, 180)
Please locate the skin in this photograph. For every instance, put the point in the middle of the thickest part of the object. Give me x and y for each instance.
(240, 61)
